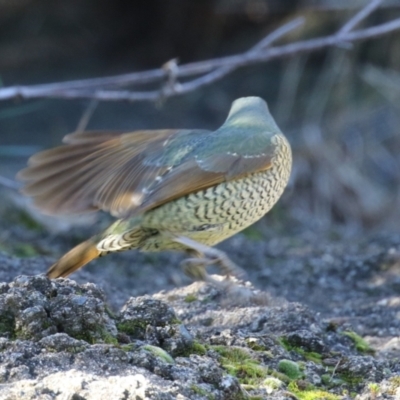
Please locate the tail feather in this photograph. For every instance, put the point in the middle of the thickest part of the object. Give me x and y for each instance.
(74, 259)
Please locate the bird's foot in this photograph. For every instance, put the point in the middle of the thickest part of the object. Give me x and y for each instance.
(235, 293)
(196, 267)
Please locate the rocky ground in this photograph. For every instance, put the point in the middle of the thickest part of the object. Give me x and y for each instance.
(318, 318)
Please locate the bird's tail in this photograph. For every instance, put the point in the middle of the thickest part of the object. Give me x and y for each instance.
(74, 259)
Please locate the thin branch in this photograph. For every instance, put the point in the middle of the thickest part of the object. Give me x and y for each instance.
(87, 115)
(108, 88)
(53, 89)
(222, 71)
(334, 369)
(361, 15)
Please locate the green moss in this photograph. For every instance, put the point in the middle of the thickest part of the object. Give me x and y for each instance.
(93, 337)
(248, 371)
(311, 393)
(108, 338)
(279, 375)
(190, 298)
(198, 348)
(285, 343)
(159, 353)
(128, 347)
(235, 354)
(360, 344)
(134, 328)
(331, 381)
(326, 379)
(290, 369)
(195, 348)
(202, 392)
(238, 362)
(308, 355)
(311, 356)
(350, 379)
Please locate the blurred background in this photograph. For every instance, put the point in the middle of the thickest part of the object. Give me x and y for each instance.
(338, 107)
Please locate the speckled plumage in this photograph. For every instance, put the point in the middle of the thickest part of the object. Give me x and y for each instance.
(208, 216)
(197, 185)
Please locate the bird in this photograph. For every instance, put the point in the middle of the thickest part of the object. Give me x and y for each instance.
(169, 189)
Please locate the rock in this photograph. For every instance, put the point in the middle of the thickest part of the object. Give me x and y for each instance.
(139, 313)
(60, 339)
(35, 307)
(62, 342)
(306, 340)
(80, 385)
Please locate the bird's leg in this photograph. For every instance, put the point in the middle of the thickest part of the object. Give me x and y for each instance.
(196, 267)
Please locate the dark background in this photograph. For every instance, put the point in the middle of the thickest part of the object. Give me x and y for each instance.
(339, 107)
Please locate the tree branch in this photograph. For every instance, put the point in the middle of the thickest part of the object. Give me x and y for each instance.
(361, 15)
(107, 89)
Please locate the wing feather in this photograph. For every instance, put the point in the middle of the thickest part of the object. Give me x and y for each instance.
(130, 173)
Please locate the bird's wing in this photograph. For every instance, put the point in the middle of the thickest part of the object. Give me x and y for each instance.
(75, 177)
(217, 157)
(129, 173)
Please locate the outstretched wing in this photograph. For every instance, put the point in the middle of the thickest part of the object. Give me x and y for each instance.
(129, 173)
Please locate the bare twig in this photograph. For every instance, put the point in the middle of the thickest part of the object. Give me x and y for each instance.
(222, 71)
(212, 70)
(361, 15)
(344, 5)
(334, 369)
(87, 115)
